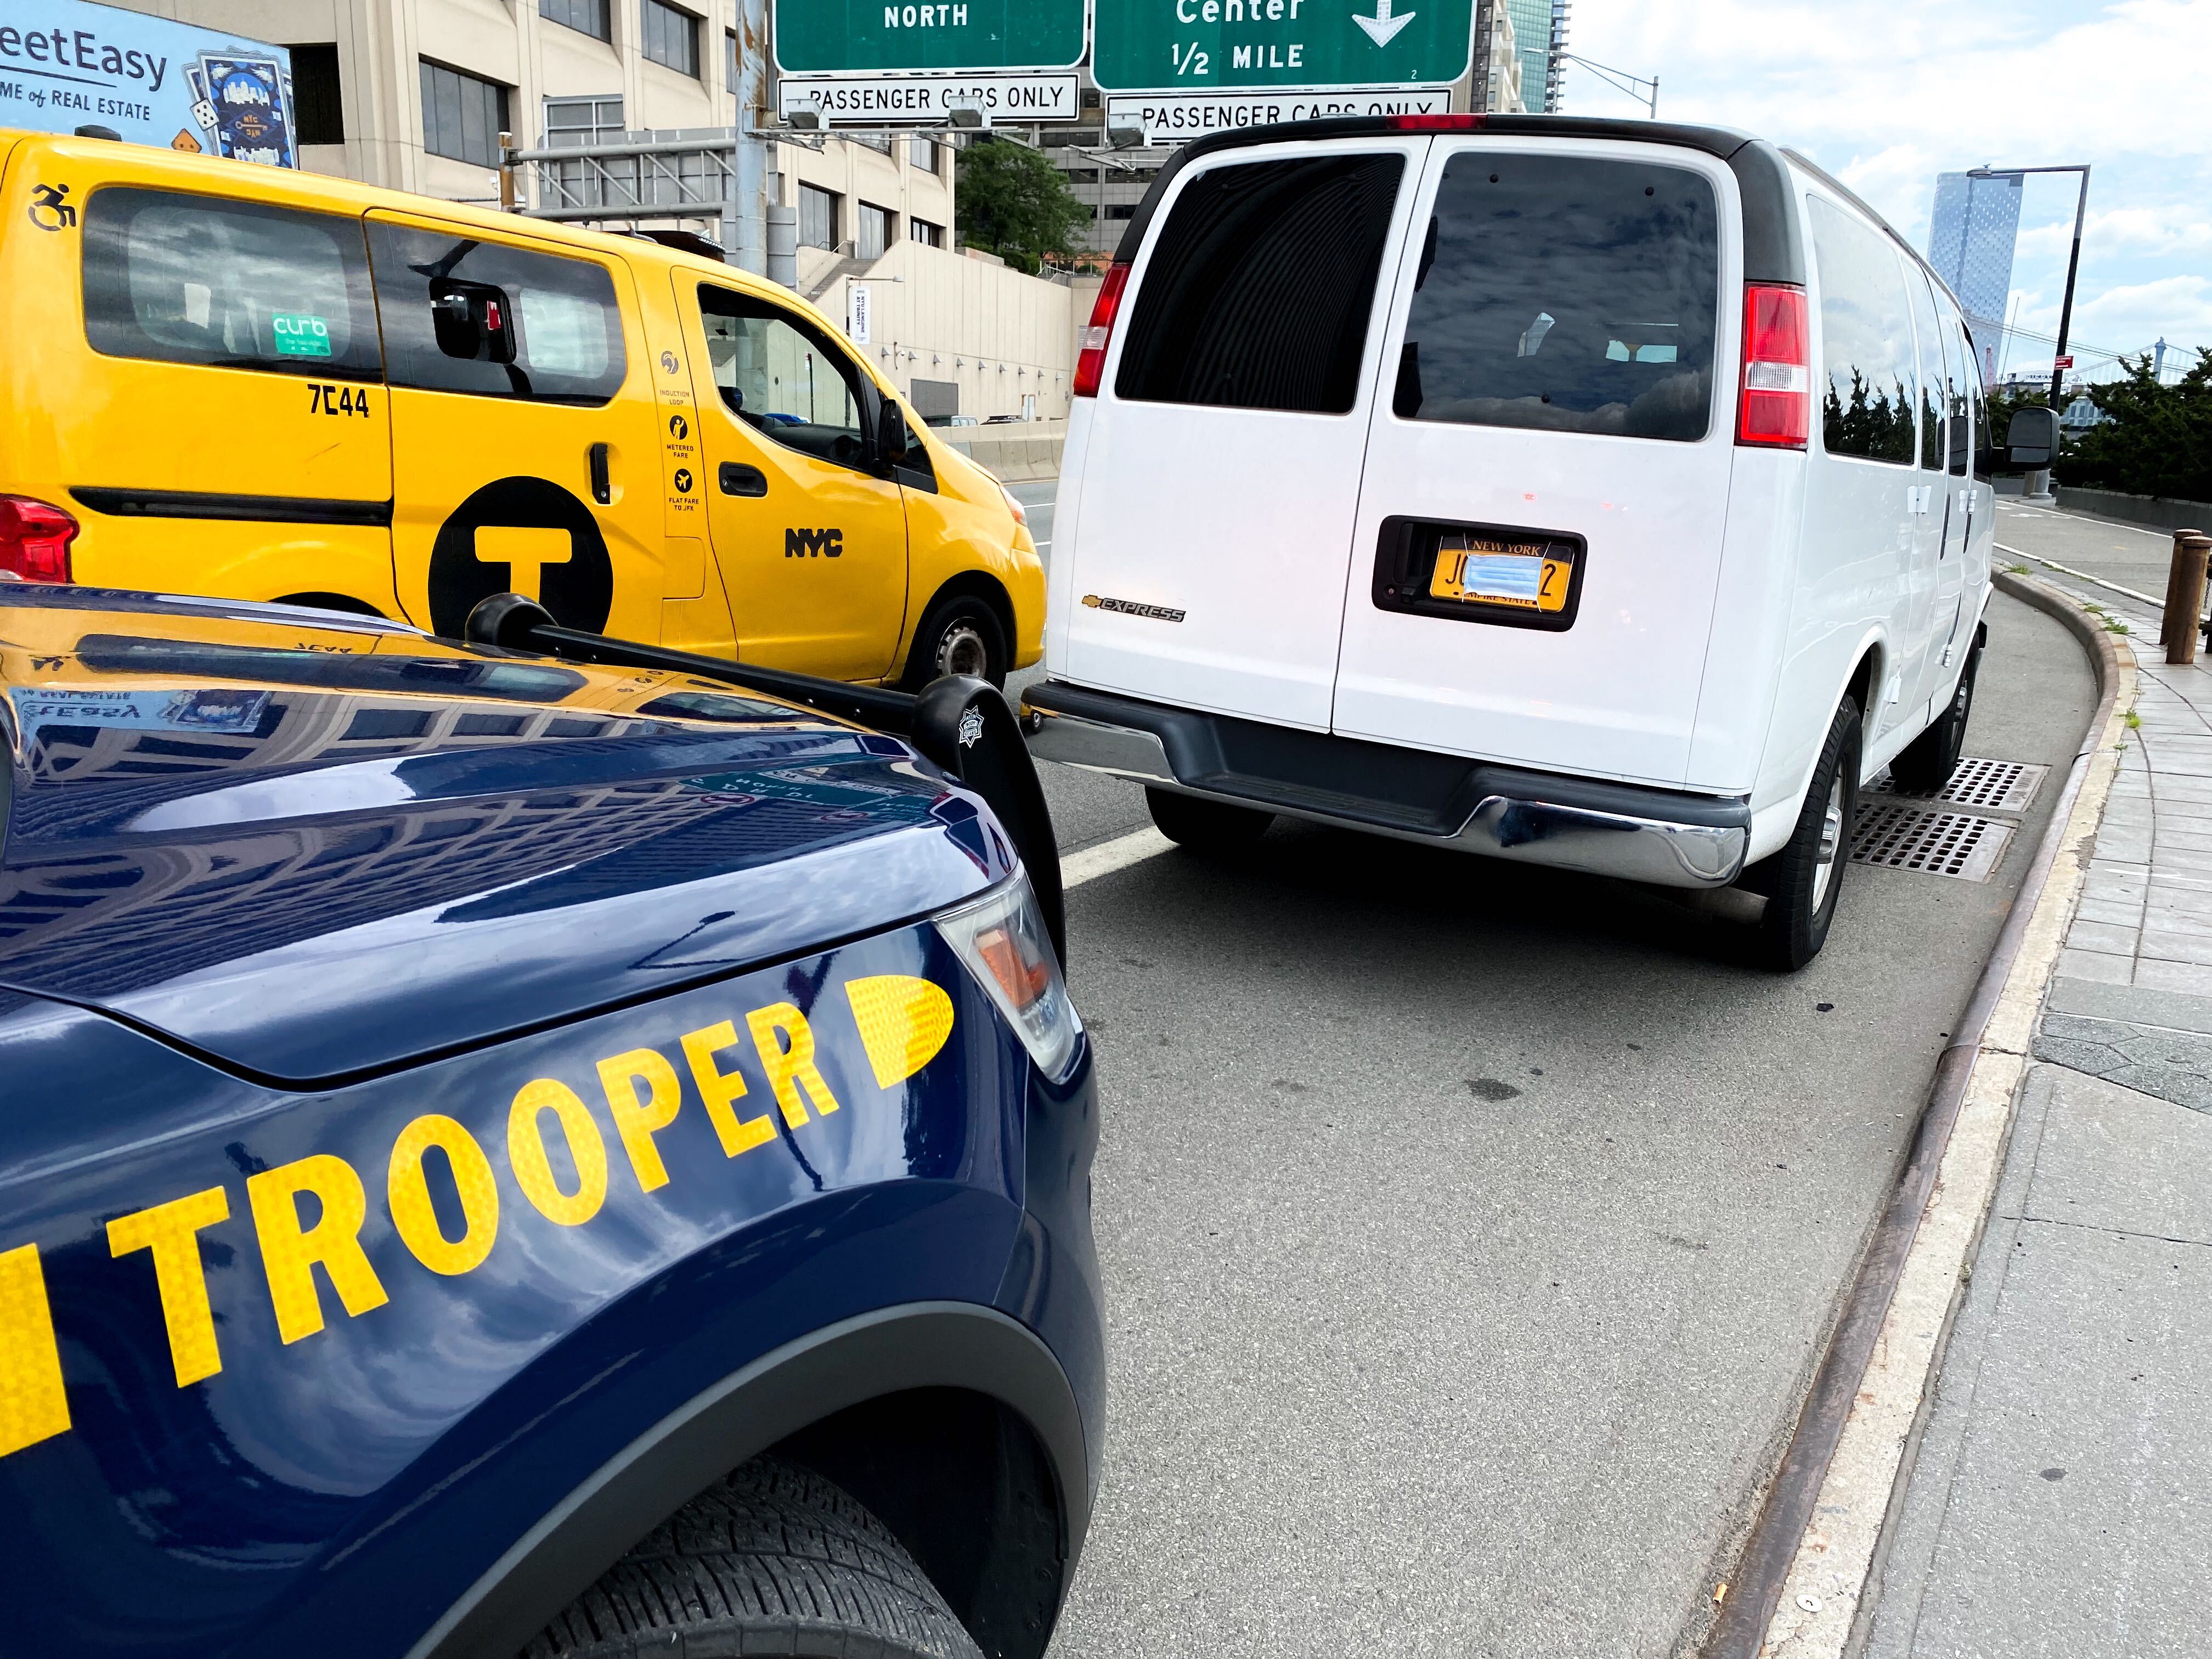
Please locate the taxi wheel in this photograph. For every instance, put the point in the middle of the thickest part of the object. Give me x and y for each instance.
(1206, 826)
(772, 1558)
(1802, 880)
(959, 636)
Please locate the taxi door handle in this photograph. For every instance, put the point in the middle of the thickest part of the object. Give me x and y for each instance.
(738, 479)
(602, 488)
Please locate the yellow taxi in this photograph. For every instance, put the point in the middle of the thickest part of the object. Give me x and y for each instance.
(250, 383)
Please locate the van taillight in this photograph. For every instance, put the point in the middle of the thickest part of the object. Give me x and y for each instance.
(1776, 405)
(34, 540)
(1435, 123)
(1091, 362)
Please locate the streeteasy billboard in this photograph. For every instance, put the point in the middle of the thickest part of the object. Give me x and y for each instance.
(68, 63)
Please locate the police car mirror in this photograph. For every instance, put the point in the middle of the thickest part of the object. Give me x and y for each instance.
(473, 321)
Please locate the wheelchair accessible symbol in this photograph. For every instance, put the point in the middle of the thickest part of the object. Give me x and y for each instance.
(48, 211)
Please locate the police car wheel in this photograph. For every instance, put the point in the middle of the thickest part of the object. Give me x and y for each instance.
(960, 635)
(1206, 826)
(772, 1558)
(1802, 880)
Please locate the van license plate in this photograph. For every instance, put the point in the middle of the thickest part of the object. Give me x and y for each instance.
(1480, 570)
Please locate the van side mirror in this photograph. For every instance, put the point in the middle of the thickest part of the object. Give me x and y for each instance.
(892, 438)
(2032, 437)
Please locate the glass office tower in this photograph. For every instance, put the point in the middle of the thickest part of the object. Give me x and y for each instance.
(1970, 235)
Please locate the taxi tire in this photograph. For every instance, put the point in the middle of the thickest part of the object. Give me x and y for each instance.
(1206, 826)
(1795, 924)
(771, 1558)
(968, 614)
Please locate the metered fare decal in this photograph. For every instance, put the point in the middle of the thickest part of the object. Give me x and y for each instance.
(317, 1269)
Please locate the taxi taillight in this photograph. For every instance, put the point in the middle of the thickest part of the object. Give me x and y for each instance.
(1091, 365)
(34, 540)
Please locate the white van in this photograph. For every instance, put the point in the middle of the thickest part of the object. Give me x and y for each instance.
(1597, 494)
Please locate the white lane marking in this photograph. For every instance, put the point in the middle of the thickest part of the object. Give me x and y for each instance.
(1108, 856)
(2076, 518)
(2083, 575)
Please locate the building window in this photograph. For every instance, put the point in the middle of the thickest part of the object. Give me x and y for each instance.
(922, 152)
(668, 36)
(877, 230)
(589, 17)
(928, 235)
(317, 109)
(583, 120)
(463, 114)
(817, 217)
(729, 60)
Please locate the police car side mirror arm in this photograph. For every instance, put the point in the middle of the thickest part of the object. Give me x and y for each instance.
(963, 724)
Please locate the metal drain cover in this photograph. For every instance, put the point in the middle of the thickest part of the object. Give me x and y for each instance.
(1988, 786)
(1900, 837)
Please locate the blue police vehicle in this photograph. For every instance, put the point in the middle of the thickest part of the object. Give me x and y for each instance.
(531, 1144)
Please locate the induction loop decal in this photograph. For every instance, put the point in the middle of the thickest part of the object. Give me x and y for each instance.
(315, 1224)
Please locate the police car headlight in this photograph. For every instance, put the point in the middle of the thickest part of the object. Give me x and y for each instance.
(1002, 939)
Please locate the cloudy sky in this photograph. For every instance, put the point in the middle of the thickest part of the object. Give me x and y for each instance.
(1887, 94)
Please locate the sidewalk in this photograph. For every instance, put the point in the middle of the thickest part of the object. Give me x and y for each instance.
(2061, 1503)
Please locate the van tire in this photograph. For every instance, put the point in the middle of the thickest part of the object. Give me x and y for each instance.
(1206, 826)
(960, 634)
(1926, 763)
(1799, 883)
(771, 1558)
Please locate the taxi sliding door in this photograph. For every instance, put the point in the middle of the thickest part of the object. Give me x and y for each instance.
(525, 446)
(810, 536)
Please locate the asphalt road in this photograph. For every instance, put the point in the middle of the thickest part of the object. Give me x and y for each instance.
(1470, 1230)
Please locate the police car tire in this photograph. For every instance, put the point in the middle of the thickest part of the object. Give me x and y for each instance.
(772, 1558)
(960, 612)
(1799, 906)
(1206, 826)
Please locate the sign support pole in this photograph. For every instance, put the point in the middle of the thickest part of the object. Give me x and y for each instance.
(745, 215)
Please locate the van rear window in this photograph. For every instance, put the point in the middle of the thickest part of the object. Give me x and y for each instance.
(1570, 293)
(205, 279)
(1260, 285)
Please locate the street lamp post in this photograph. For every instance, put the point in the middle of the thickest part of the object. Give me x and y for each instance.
(2073, 261)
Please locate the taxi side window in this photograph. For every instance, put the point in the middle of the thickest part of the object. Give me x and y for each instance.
(176, 278)
(782, 377)
(464, 315)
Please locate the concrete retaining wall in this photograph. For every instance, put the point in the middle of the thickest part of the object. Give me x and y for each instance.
(1019, 454)
(2156, 511)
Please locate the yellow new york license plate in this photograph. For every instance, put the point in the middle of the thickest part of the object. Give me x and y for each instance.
(1477, 570)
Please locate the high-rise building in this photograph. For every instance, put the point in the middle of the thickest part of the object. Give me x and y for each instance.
(1539, 34)
(1971, 237)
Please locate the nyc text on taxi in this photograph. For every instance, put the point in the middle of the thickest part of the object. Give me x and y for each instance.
(256, 384)
(470, 1116)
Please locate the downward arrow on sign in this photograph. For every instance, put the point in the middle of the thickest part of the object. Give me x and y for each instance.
(1381, 27)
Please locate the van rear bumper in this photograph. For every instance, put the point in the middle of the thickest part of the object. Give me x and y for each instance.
(1670, 838)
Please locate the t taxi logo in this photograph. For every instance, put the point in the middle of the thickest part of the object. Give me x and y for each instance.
(548, 1162)
(814, 543)
(526, 536)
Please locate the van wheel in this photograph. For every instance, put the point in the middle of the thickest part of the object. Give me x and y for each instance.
(1801, 881)
(1926, 763)
(1206, 826)
(772, 1558)
(959, 636)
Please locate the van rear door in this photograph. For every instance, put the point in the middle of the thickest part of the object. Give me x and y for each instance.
(1540, 529)
(1220, 466)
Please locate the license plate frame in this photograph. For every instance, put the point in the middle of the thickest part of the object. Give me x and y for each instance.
(1500, 575)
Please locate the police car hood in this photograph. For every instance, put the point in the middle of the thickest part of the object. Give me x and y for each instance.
(312, 849)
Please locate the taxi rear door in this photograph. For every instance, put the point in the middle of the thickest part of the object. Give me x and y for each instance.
(811, 540)
(525, 453)
(195, 374)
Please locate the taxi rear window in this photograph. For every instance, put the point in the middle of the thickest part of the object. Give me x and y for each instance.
(179, 278)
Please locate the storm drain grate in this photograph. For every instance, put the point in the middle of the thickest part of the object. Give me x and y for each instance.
(1988, 786)
(1899, 837)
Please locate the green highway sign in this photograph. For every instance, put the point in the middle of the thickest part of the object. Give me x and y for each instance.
(832, 37)
(1229, 45)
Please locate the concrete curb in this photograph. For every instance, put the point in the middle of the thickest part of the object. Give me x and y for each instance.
(1801, 1581)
